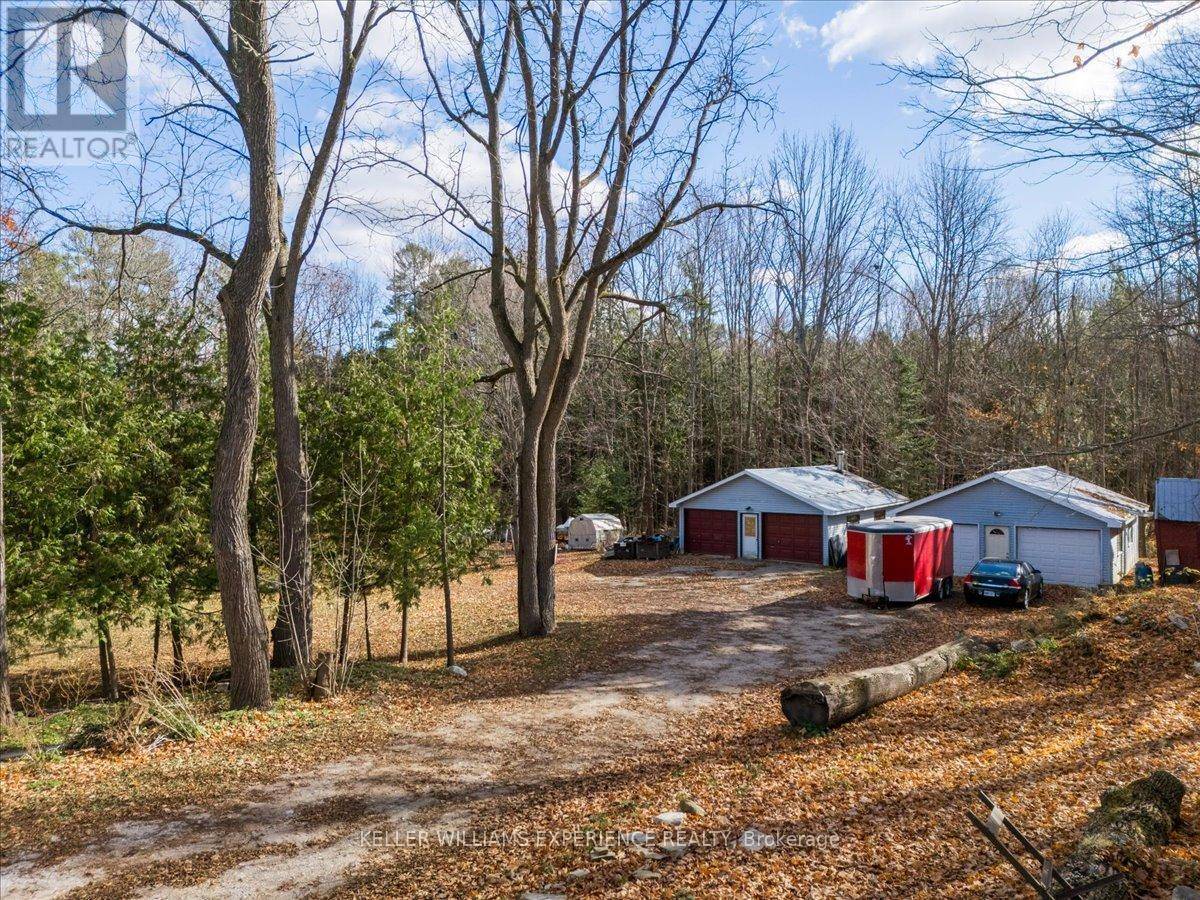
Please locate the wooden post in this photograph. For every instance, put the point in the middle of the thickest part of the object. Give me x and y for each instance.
(322, 683)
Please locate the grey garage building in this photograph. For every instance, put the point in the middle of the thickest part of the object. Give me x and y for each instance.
(791, 513)
(1076, 532)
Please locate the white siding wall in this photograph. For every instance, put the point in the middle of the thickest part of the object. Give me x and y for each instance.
(1123, 565)
(835, 531)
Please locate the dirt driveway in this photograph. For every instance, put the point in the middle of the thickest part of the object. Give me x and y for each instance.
(733, 627)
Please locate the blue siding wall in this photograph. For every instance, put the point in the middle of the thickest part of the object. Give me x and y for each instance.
(996, 503)
(745, 491)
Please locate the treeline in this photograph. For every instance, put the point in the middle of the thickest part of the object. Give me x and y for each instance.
(899, 321)
(111, 395)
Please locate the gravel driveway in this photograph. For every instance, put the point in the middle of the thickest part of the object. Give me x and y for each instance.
(304, 834)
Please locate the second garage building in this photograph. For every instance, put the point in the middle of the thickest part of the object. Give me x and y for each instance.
(1074, 531)
(794, 513)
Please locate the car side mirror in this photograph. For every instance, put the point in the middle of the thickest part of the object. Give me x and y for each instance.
(1036, 571)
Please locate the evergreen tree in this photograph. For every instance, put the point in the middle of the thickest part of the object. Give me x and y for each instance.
(174, 384)
(910, 440)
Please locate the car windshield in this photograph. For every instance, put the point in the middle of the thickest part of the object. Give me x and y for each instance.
(995, 568)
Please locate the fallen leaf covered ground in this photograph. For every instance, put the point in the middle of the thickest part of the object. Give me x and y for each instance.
(874, 808)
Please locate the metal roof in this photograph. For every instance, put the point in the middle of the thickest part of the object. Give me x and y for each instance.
(902, 524)
(1058, 487)
(1177, 499)
(825, 487)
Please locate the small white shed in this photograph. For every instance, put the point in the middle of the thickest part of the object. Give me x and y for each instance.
(594, 531)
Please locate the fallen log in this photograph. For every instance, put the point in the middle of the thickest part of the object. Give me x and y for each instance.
(839, 698)
(1131, 817)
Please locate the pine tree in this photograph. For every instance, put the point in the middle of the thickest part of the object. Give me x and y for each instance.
(910, 441)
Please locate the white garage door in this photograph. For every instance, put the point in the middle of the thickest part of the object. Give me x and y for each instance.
(966, 548)
(1065, 555)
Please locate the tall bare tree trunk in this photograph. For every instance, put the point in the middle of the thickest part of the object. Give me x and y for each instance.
(291, 638)
(343, 651)
(445, 524)
(404, 633)
(292, 633)
(245, 628)
(547, 546)
(6, 710)
(529, 616)
(367, 625)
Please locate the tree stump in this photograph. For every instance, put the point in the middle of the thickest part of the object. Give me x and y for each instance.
(1131, 817)
(839, 698)
(321, 687)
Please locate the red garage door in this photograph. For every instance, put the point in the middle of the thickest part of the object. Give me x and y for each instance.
(710, 531)
(788, 536)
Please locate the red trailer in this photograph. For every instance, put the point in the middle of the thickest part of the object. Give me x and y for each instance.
(902, 559)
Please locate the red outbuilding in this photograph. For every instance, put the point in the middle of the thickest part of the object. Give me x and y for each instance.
(1177, 522)
(902, 559)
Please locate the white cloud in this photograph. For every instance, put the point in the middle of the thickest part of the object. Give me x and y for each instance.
(408, 205)
(310, 34)
(1093, 244)
(795, 25)
(903, 30)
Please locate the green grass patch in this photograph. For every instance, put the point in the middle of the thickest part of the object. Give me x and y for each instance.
(32, 732)
(1000, 664)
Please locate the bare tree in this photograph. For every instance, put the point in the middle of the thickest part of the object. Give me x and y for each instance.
(575, 107)
(948, 244)
(202, 135)
(823, 193)
(324, 162)
(1034, 109)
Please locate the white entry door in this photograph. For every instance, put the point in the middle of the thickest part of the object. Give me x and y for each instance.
(750, 531)
(995, 542)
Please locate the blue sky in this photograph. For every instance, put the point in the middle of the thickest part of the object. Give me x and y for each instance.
(818, 86)
(830, 58)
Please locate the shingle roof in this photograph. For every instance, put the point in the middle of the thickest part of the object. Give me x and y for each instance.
(1177, 499)
(1058, 487)
(824, 487)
